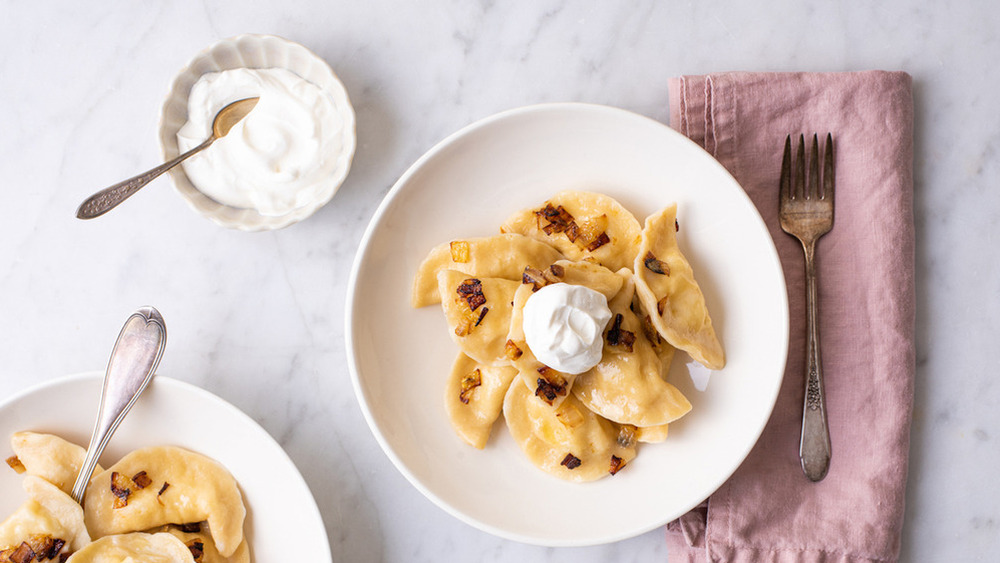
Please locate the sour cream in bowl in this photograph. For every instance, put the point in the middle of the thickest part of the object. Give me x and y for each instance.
(282, 162)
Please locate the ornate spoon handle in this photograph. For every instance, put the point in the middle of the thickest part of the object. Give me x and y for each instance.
(109, 198)
(133, 361)
(814, 447)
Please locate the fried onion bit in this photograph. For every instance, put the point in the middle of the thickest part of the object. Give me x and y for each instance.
(163, 489)
(121, 487)
(482, 314)
(459, 251)
(197, 548)
(557, 219)
(626, 436)
(655, 265)
(471, 290)
(618, 337)
(46, 547)
(15, 463)
(550, 385)
(20, 554)
(616, 464)
(511, 350)
(661, 305)
(141, 480)
(535, 277)
(571, 461)
(469, 384)
(598, 242)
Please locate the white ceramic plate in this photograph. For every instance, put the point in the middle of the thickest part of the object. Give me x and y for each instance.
(464, 187)
(171, 412)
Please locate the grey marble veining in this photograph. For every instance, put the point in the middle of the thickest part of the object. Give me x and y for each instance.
(258, 318)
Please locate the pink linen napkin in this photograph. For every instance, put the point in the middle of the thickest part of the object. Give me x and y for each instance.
(769, 511)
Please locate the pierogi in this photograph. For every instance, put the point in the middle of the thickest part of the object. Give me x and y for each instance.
(627, 386)
(575, 427)
(583, 226)
(478, 313)
(182, 486)
(134, 547)
(568, 441)
(201, 543)
(50, 523)
(49, 457)
(499, 256)
(667, 290)
(474, 397)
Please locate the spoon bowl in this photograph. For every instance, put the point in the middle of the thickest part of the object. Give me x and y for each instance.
(109, 198)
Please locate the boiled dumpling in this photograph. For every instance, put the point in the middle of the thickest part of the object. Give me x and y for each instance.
(50, 522)
(669, 293)
(474, 397)
(583, 226)
(200, 543)
(49, 457)
(501, 256)
(478, 313)
(627, 385)
(135, 548)
(567, 441)
(161, 485)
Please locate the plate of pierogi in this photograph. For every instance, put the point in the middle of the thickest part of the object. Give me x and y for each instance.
(186, 477)
(567, 324)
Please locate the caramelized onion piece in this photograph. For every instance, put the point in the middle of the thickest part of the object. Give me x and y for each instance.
(20, 554)
(15, 463)
(616, 464)
(655, 265)
(550, 385)
(571, 461)
(535, 277)
(618, 337)
(569, 416)
(141, 480)
(469, 384)
(557, 219)
(626, 436)
(459, 251)
(197, 548)
(512, 351)
(471, 290)
(121, 487)
(598, 242)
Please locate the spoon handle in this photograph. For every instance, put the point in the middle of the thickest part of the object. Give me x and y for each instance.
(133, 361)
(109, 198)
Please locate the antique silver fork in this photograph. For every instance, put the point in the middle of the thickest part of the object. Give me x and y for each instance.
(806, 213)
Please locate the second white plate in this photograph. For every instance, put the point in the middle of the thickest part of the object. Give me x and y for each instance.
(280, 507)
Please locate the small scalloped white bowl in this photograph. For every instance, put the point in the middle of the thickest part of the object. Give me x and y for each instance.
(254, 51)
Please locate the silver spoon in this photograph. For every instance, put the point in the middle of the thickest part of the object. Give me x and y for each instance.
(109, 198)
(133, 361)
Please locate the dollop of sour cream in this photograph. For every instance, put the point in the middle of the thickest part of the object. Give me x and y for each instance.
(564, 326)
(277, 158)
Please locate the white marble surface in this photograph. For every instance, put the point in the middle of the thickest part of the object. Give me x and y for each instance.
(258, 318)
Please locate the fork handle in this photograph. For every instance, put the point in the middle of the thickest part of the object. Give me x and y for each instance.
(814, 446)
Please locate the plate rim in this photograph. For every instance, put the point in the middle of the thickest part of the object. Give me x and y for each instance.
(186, 387)
(351, 312)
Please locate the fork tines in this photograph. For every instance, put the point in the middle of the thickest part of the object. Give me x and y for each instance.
(801, 186)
